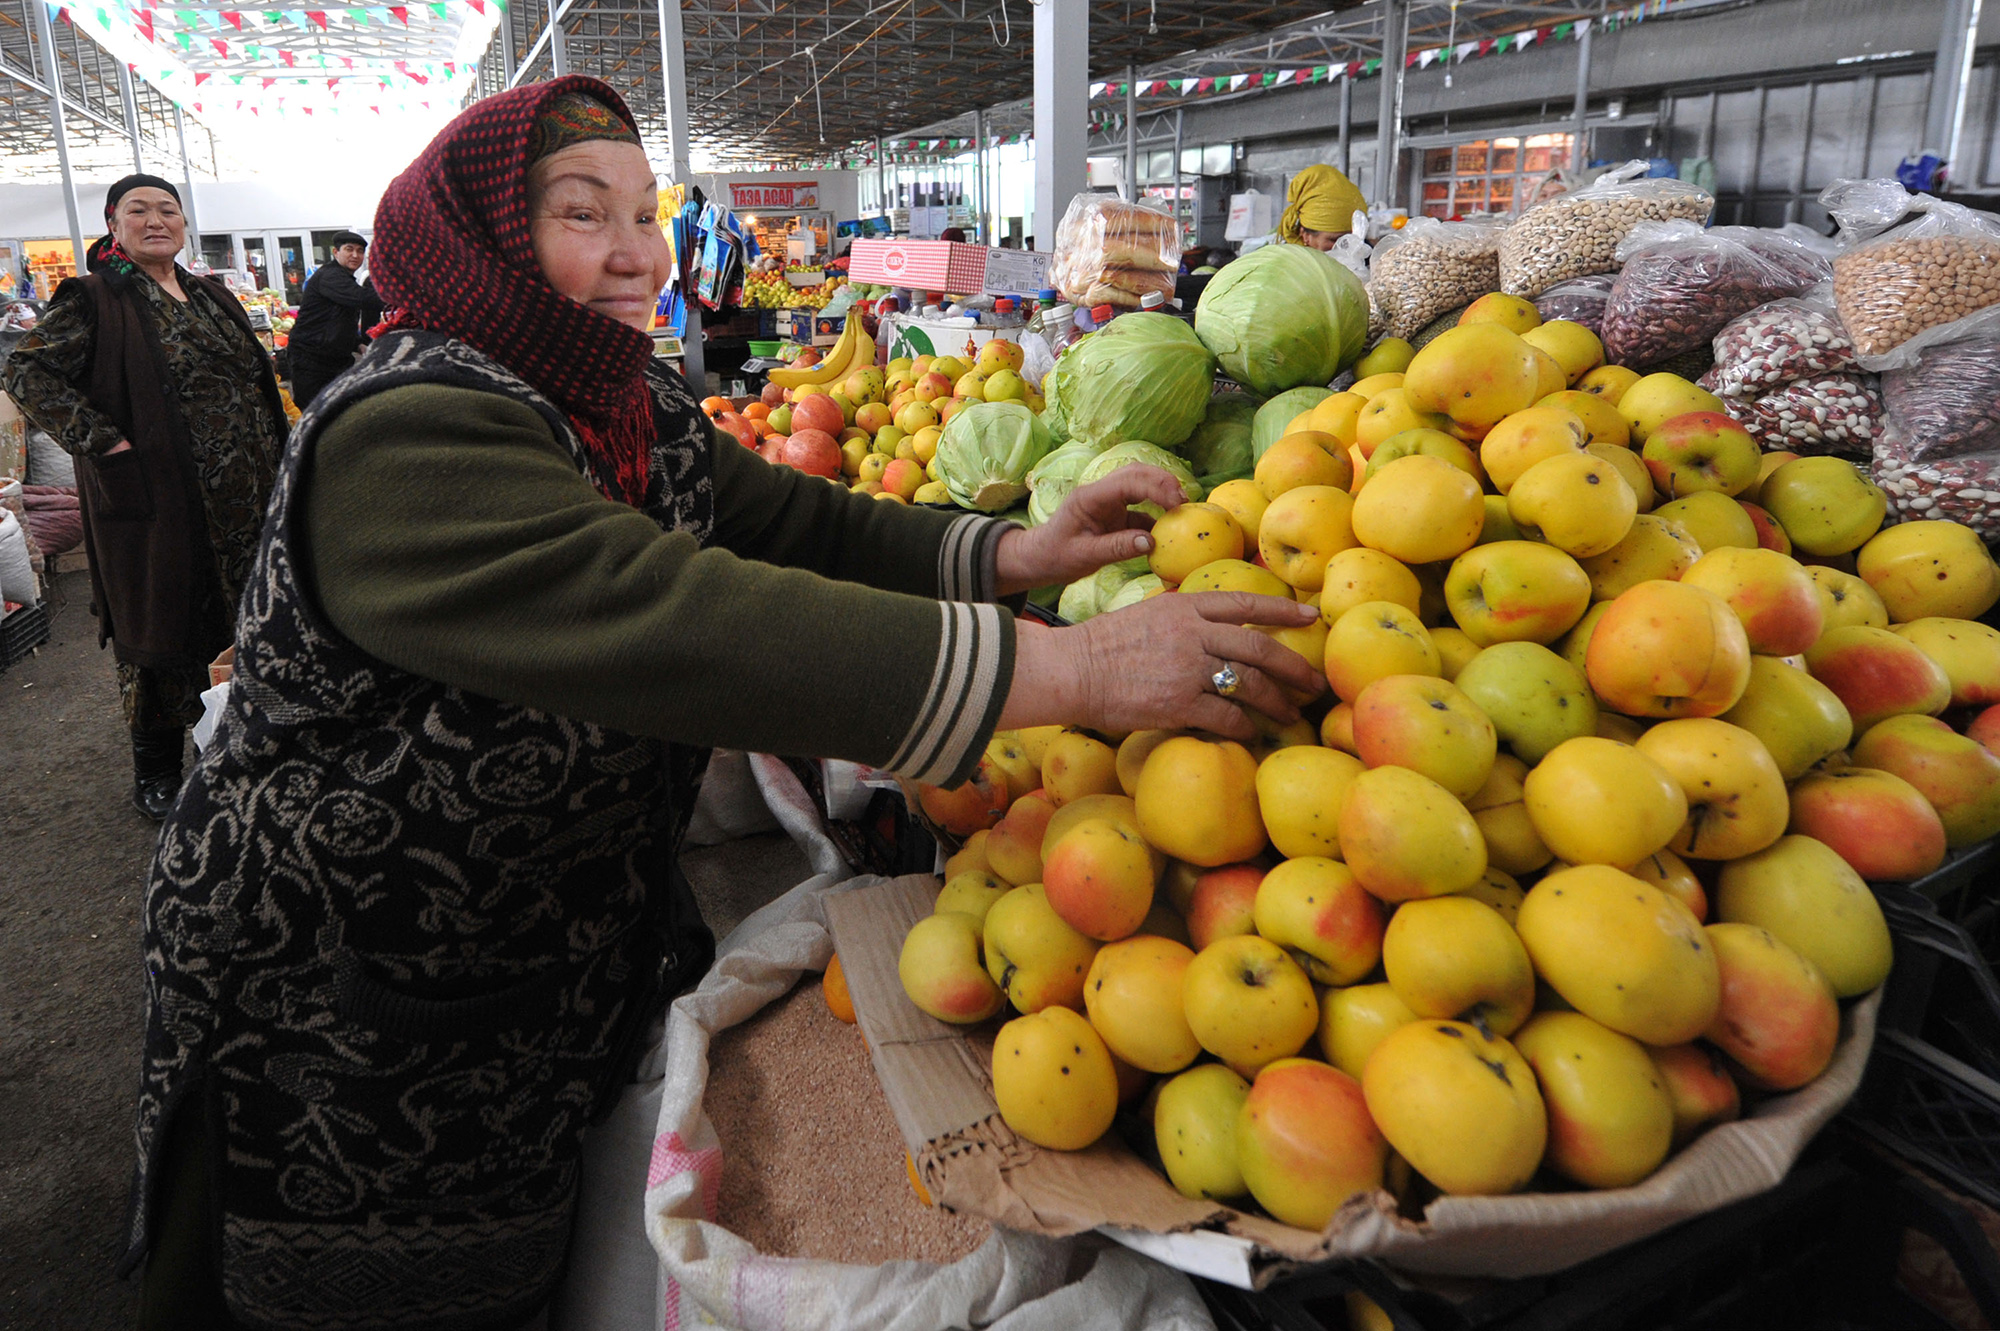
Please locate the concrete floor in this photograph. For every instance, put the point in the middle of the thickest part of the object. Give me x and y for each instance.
(73, 858)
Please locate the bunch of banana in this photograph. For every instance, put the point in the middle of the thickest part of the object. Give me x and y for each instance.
(855, 350)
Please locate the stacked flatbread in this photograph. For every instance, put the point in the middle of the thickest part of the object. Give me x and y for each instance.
(1109, 252)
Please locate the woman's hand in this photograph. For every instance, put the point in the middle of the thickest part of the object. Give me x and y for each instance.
(1152, 666)
(1094, 527)
(122, 446)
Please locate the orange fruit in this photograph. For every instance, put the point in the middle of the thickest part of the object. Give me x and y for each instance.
(923, 1193)
(834, 985)
(712, 407)
(756, 411)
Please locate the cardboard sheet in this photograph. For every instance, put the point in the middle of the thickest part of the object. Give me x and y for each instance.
(938, 1083)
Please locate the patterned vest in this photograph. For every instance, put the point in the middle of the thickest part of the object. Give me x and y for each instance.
(401, 939)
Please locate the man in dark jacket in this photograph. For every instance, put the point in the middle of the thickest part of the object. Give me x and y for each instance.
(335, 315)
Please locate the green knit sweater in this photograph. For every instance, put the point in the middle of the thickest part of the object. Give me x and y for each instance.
(448, 533)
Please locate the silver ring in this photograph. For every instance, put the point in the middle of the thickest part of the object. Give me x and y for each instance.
(1226, 681)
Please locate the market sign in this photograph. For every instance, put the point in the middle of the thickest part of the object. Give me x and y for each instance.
(793, 195)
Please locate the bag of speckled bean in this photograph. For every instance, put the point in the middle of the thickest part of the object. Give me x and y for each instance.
(1915, 268)
(1938, 452)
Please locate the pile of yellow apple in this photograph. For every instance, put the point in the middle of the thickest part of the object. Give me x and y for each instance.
(897, 413)
(1623, 715)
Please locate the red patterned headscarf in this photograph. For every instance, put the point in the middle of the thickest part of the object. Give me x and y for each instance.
(452, 255)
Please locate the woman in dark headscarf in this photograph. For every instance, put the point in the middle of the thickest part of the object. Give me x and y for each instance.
(153, 378)
(419, 906)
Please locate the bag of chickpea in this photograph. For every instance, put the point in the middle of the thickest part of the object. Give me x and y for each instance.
(1915, 267)
(1428, 267)
(1577, 234)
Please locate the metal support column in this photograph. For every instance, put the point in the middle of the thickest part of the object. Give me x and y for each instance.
(1131, 190)
(1180, 227)
(507, 42)
(986, 230)
(1062, 111)
(131, 106)
(673, 73)
(52, 73)
(1951, 80)
(1389, 112)
(882, 174)
(1346, 123)
(558, 44)
(1580, 149)
(187, 182)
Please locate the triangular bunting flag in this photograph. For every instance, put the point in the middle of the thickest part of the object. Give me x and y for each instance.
(437, 10)
(317, 17)
(480, 7)
(287, 59)
(202, 78)
(1466, 50)
(269, 82)
(234, 19)
(1522, 40)
(402, 14)
(359, 17)
(221, 47)
(1236, 81)
(1485, 45)
(1204, 85)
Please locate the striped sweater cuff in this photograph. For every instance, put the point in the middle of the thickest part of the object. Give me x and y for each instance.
(975, 666)
(968, 558)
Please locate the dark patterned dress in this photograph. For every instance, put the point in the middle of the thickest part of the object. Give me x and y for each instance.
(214, 369)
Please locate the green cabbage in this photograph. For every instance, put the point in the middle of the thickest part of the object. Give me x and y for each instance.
(1222, 441)
(1214, 479)
(1282, 316)
(1052, 408)
(1275, 415)
(1143, 376)
(1086, 596)
(1133, 592)
(986, 451)
(1051, 479)
(1138, 452)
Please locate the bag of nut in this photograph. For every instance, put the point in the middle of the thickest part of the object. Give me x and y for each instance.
(1780, 343)
(1429, 267)
(1938, 453)
(1577, 234)
(1580, 300)
(1916, 266)
(1680, 283)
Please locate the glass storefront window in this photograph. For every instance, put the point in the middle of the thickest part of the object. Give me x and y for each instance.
(1487, 175)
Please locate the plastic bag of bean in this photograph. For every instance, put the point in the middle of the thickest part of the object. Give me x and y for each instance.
(1577, 234)
(1938, 454)
(1778, 343)
(1829, 413)
(1429, 267)
(1580, 300)
(1680, 283)
(1916, 267)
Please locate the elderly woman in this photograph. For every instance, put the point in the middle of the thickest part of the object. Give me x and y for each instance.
(1320, 204)
(153, 378)
(419, 902)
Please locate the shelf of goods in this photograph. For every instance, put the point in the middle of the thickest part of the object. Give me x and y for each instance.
(1564, 913)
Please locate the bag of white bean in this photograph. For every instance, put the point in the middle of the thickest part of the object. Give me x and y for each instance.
(1938, 452)
(1429, 267)
(1577, 234)
(1779, 343)
(1914, 269)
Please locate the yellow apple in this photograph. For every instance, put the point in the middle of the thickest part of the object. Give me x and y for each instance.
(1309, 457)
(1388, 414)
(971, 893)
(1576, 502)
(1514, 313)
(1575, 348)
(1534, 698)
(1527, 437)
(1930, 569)
(1596, 801)
(1611, 1120)
(1454, 648)
(1419, 509)
(1033, 954)
(1777, 1017)
(1248, 1003)
(1194, 1127)
(1632, 467)
(1459, 1104)
(1315, 908)
(1197, 801)
(1600, 418)
(1808, 897)
(1654, 549)
(1650, 402)
(1244, 500)
(1076, 765)
(1354, 1020)
(1373, 640)
(940, 970)
(1427, 725)
(1736, 797)
(1303, 528)
(1713, 519)
(1799, 719)
(1099, 878)
(1380, 381)
(1234, 575)
(1827, 505)
(1132, 995)
(1516, 591)
(1967, 651)
(1609, 382)
(1300, 790)
(1191, 535)
(1477, 374)
(1053, 1080)
(1361, 574)
(1406, 837)
(1456, 957)
(1500, 808)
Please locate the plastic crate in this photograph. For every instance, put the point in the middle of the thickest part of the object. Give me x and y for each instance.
(22, 632)
(1819, 1250)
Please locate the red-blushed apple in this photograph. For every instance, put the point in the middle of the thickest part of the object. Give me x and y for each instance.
(1336, 728)
(1778, 1019)
(973, 805)
(1315, 908)
(1877, 674)
(1967, 651)
(1670, 873)
(1100, 879)
(1876, 821)
(1668, 649)
(941, 972)
(1778, 604)
(1427, 725)
(1956, 774)
(1985, 728)
(1770, 536)
(1611, 1118)
(1405, 836)
(1306, 1143)
(1514, 591)
(1014, 845)
(1224, 904)
(1248, 1003)
(1701, 450)
(1702, 1091)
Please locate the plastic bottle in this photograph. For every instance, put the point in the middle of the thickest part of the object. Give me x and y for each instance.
(1006, 314)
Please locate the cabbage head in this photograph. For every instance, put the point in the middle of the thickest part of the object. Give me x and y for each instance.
(1134, 592)
(1275, 415)
(1052, 408)
(1222, 441)
(986, 451)
(1143, 376)
(1086, 596)
(1051, 479)
(1138, 452)
(1282, 316)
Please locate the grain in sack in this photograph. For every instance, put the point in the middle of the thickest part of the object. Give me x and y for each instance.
(1916, 267)
(1577, 234)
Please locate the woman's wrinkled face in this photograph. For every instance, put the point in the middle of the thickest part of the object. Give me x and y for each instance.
(149, 225)
(593, 216)
(1319, 240)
